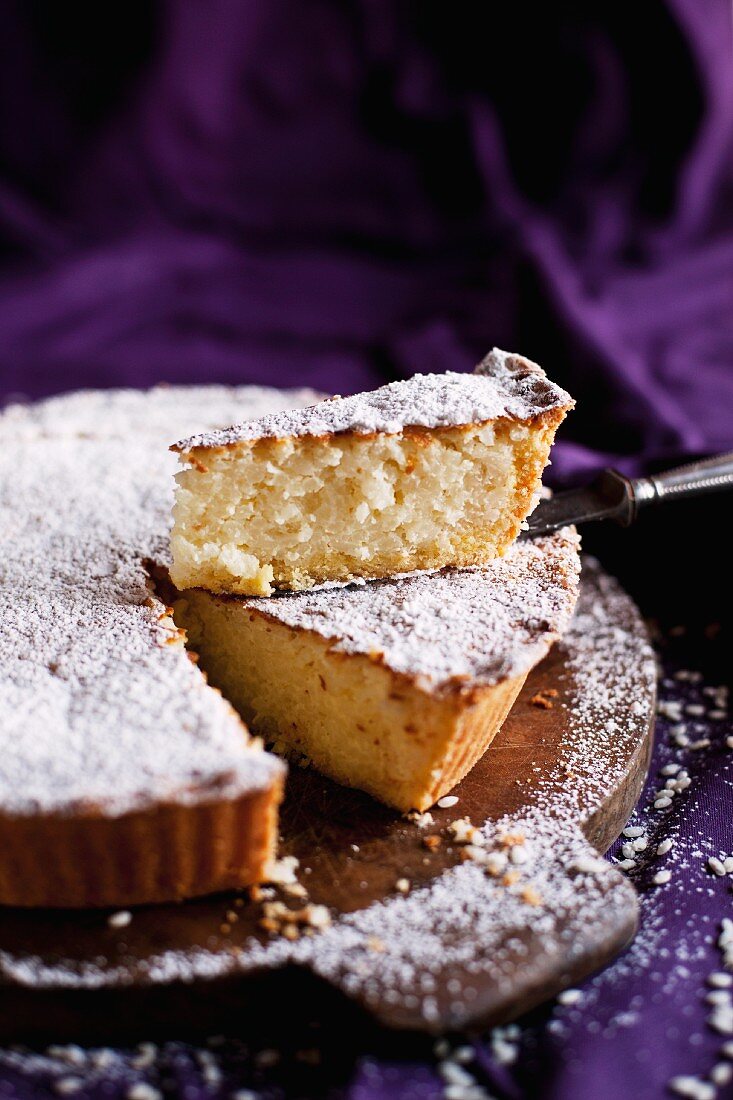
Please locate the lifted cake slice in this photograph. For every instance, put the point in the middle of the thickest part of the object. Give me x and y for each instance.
(395, 687)
(437, 470)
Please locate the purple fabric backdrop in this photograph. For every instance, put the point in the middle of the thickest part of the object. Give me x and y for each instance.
(340, 194)
(365, 191)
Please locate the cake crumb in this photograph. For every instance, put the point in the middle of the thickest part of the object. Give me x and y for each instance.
(463, 831)
(421, 820)
(511, 840)
(295, 890)
(496, 863)
(282, 871)
(279, 919)
(531, 896)
(544, 698)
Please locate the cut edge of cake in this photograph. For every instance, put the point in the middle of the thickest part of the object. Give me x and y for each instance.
(432, 471)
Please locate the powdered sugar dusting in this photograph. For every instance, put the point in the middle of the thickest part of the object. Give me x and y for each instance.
(465, 627)
(156, 415)
(503, 385)
(98, 697)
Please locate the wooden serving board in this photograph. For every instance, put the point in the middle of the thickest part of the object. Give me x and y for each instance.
(461, 947)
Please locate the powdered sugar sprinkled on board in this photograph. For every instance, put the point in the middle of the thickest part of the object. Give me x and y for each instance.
(504, 385)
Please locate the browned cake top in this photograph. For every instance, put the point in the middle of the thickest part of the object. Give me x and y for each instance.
(503, 385)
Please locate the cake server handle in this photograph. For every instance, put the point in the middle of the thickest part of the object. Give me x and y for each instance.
(705, 476)
(612, 496)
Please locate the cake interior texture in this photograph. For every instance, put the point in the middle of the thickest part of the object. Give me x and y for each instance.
(348, 716)
(294, 512)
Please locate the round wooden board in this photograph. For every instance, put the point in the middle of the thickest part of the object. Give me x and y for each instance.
(464, 948)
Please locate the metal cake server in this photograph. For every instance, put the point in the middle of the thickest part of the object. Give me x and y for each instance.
(612, 496)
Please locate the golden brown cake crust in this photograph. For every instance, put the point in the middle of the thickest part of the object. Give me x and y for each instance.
(503, 386)
(165, 853)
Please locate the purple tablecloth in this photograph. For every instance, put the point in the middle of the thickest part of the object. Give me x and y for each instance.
(253, 192)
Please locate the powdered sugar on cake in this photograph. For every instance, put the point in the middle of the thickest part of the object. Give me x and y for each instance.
(463, 628)
(155, 415)
(100, 703)
(503, 385)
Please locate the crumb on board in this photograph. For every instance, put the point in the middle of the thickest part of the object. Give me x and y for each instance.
(544, 698)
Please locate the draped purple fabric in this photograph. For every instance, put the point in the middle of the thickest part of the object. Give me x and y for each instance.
(336, 194)
(343, 194)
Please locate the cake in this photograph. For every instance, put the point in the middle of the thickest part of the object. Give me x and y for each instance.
(124, 778)
(435, 470)
(398, 686)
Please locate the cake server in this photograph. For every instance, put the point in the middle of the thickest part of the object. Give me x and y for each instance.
(612, 496)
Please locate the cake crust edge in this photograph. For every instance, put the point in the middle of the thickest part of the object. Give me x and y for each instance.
(168, 852)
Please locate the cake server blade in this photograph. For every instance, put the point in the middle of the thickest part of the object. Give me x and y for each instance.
(612, 496)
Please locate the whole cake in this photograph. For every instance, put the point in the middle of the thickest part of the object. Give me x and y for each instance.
(435, 470)
(124, 777)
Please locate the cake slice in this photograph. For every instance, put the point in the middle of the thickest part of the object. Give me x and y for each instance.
(437, 470)
(396, 687)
